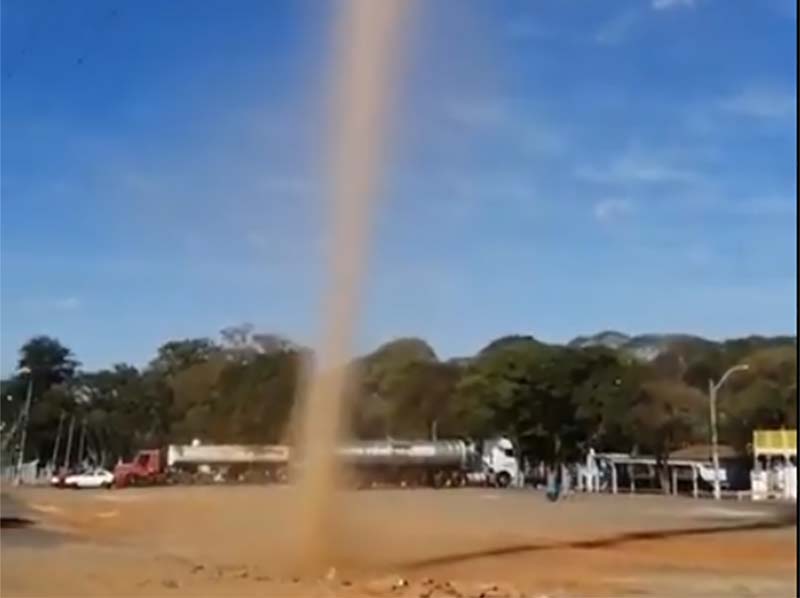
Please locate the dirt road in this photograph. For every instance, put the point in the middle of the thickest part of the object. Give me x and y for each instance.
(234, 541)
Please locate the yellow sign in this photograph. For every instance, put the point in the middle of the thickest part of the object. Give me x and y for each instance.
(775, 441)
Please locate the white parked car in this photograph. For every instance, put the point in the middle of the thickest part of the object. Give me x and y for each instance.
(58, 479)
(95, 478)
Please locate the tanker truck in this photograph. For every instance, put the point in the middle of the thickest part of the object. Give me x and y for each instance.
(197, 463)
(437, 463)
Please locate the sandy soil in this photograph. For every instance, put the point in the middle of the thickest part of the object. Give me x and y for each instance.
(237, 541)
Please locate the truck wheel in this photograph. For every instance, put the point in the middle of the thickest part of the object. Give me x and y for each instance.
(503, 479)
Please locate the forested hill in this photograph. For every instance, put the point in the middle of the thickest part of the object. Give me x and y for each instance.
(649, 346)
(609, 390)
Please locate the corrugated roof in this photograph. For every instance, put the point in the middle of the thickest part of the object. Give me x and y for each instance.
(702, 452)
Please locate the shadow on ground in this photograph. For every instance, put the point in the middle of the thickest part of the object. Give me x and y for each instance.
(783, 517)
(12, 522)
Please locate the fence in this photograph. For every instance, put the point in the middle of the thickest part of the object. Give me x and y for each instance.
(779, 483)
(29, 474)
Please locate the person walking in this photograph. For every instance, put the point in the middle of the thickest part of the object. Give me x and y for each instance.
(566, 480)
(592, 473)
(554, 482)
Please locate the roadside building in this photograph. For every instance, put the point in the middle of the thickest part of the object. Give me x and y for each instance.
(774, 473)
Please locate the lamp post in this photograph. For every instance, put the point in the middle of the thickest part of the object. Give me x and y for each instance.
(25, 417)
(713, 389)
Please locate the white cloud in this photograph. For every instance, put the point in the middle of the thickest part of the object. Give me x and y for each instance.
(517, 124)
(524, 29)
(634, 168)
(69, 303)
(273, 240)
(542, 139)
(608, 210)
(66, 304)
(784, 8)
(478, 113)
(762, 102)
(616, 30)
(257, 240)
(284, 185)
(699, 256)
(493, 188)
(766, 206)
(670, 4)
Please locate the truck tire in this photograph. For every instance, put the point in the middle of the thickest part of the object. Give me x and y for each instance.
(503, 479)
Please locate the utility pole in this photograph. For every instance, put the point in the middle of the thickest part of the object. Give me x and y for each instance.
(713, 389)
(25, 418)
(69, 443)
(82, 441)
(57, 445)
(12, 433)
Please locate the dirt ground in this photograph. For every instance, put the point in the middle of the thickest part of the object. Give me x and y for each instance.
(237, 541)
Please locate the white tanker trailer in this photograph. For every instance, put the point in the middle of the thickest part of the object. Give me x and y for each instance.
(376, 462)
(219, 462)
(431, 463)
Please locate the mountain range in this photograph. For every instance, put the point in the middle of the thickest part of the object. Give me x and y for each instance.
(647, 347)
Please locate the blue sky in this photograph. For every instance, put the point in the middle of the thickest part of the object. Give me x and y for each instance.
(556, 168)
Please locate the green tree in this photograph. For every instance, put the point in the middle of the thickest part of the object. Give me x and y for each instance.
(555, 401)
(174, 356)
(381, 391)
(514, 341)
(255, 400)
(195, 391)
(420, 399)
(666, 416)
(125, 409)
(604, 396)
(710, 366)
(378, 370)
(46, 367)
(763, 397)
(48, 361)
(522, 389)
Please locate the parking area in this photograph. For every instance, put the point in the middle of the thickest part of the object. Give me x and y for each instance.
(237, 540)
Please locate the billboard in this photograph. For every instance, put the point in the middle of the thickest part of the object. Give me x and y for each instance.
(775, 442)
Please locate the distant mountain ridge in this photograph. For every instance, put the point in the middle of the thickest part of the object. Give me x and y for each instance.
(642, 347)
(647, 347)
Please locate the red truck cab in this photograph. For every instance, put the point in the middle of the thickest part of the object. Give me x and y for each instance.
(146, 468)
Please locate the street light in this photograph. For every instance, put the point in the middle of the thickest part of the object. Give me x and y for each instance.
(25, 416)
(712, 395)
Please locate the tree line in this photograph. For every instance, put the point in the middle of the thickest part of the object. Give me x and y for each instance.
(554, 400)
